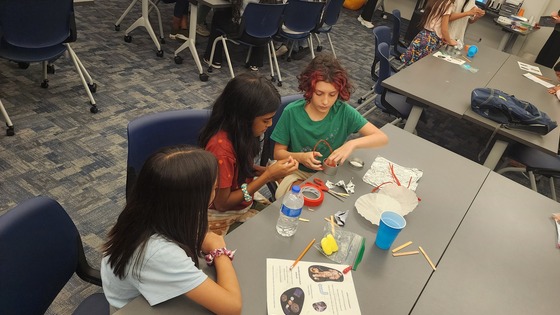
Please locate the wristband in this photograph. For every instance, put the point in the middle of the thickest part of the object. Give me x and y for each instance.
(246, 195)
(217, 253)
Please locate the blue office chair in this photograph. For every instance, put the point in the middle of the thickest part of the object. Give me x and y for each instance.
(259, 23)
(300, 18)
(536, 163)
(268, 145)
(41, 31)
(149, 133)
(381, 34)
(328, 20)
(40, 250)
(397, 46)
(389, 102)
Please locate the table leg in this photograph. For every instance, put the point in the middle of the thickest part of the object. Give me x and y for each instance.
(191, 43)
(504, 41)
(413, 118)
(495, 154)
(511, 41)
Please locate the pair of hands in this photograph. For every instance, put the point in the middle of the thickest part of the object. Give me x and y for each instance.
(476, 12)
(337, 157)
(554, 89)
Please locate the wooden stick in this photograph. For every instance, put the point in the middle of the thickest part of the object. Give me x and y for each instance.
(467, 59)
(304, 220)
(414, 252)
(427, 258)
(543, 78)
(332, 225)
(302, 254)
(401, 247)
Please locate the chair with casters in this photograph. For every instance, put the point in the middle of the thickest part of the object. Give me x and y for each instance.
(268, 145)
(258, 24)
(149, 133)
(40, 250)
(536, 163)
(389, 102)
(300, 18)
(10, 131)
(143, 21)
(44, 40)
(328, 20)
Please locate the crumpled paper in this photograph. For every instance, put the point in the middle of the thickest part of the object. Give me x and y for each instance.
(348, 188)
(380, 173)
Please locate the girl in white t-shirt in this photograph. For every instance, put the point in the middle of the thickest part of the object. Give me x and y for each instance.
(464, 13)
(435, 33)
(153, 248)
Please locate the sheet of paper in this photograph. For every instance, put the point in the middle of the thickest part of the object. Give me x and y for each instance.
(309, 288)
(527, 67)
(449, 58)
(540, 81)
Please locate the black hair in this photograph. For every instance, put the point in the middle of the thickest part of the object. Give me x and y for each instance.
(557, 66)
(170, 199)
(244, 98)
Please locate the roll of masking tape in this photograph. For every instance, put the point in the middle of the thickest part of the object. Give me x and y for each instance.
(317, 195)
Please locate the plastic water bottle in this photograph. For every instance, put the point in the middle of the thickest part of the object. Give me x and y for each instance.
(289, 212)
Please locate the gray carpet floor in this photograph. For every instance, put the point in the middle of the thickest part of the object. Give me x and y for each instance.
(63, 151)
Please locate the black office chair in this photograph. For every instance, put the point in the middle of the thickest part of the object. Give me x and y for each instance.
(149, 133)
(268, 145)
(41, 31)
(259, 23)
(381, 34)
(328, 20)
(40, 250)
(536, 163)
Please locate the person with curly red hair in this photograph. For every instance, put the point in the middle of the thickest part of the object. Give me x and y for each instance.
(314, 129)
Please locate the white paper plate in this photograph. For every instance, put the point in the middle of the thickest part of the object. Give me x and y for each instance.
(370, 206)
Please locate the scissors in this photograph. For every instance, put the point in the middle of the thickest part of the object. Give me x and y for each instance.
(321, 185)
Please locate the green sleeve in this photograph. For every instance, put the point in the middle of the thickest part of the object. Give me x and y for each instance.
(281, 134)
(357, 121)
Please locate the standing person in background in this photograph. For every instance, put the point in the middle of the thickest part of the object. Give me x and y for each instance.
(240, 117)
(153, 248)
(550, 52)
(367, 13)
(435, 33)
(465, 12)
(179, 22)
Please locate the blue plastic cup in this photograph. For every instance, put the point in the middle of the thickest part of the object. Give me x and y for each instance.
(472, 51)
(390, 225)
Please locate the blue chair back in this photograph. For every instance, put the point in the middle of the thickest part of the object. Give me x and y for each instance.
(149, 133)
(396, 28)
(36, 23)
(40, 249)
(262, 20)
(381, 34)
(302, 16)
(384, 66)
(332, 12)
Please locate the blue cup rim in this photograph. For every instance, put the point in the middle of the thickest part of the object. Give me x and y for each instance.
(395, 217)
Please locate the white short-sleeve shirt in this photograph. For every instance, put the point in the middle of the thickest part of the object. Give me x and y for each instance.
(166, 272)
(458, 27)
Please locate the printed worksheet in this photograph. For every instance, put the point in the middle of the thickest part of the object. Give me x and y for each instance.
(527, 67)
(309, 288)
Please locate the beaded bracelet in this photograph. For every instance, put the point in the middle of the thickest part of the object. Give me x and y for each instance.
(217, 253)
(246, 195)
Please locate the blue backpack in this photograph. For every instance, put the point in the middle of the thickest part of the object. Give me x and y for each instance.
(511, 112)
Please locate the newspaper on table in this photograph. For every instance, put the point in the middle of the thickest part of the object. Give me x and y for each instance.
(309, 288)
(381, 171)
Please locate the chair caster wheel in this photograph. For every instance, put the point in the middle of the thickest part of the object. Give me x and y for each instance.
(203, 77)
(10, 131)
(117, 27)
(127, 38)
(23, 65)
(289, 59)
(162, 40)
(93, 109)
(360, 100)
(45, 84)
(92, 87)
(279, 83)
(159, 53)
(319, 48)
(210, 70)
(272, 79)
(50, 69)
(178, 60)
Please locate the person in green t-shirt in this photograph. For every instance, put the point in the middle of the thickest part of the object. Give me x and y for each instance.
(315, 129)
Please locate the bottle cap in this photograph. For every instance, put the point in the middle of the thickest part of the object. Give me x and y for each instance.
(296, 189)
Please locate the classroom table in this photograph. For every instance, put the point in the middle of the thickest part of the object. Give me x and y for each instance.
(190, 42)
(386, 284)
(510, 79)
(503, 258)
(444, 86)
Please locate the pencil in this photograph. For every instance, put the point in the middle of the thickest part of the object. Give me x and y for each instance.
(467, 59)
(427, 258)
(401, 247)
(414, 252)
(543, 78)
(302, 254)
